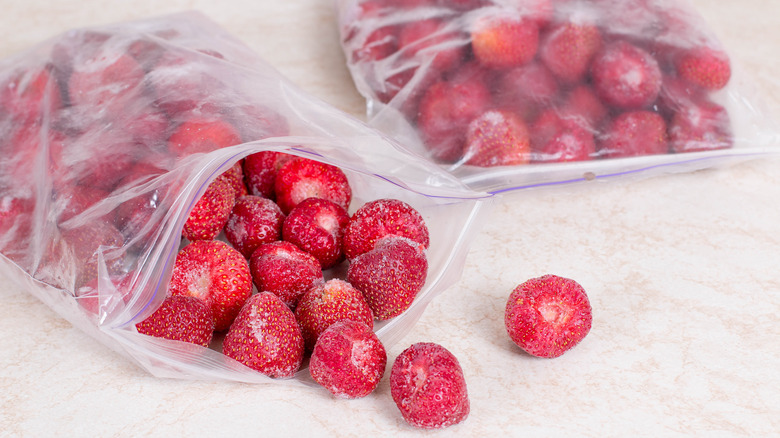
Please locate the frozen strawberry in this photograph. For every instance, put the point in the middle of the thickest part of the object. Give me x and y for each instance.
(560, 139)
(285, 270)
(568, 49)
(497, 138)
(634, 133)
(431, 39)
(582, 104)
(71, 200)
(253, 222)
(109, 81)
(91, 242)
(302, 178)
(626, 76)
(30, 93)
(428, 386)
(198, 135)
(210, 213)
(260, 171)
(501, 38)
(705, 66)
(446, 109)
(265, 337)
(526, 89)
(217, 274)
(548, 315)
(317, 227)
(377, 219)
(348, 360)
(180, 318)
(327, 303)
(700, 126)
(390, 275)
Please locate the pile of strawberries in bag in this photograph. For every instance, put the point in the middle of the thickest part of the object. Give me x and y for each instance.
(493, 83)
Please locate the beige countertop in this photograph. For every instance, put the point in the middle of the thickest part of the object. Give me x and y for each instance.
(681, 271)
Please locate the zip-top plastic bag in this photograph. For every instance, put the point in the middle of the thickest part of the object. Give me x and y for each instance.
(509, 94)
(96, 183)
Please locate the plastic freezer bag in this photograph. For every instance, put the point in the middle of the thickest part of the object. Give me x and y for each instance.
(510, 94)
(94, 193)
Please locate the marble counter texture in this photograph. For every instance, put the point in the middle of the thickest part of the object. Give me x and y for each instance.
(681, 271)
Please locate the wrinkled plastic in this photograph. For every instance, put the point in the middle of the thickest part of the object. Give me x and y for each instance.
(440, 78)
(93, 197)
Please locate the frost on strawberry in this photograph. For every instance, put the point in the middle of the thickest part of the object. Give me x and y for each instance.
(266, 337)
(253, 222)
(428, 387)
(302, 178)
(348, 360)
(317, 227)
(285, 270)
(217, 274)
(325, 304)
(377, 219)
(211, 212)
(390, 276)
(548, 315)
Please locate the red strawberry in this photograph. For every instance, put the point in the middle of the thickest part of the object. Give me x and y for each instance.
(285, 270)
(107, 81)
(327, 303)
(446, 109)
(348, 360)
(317, 227)
(265, 337)
(497, 138)
(501, 38)
(527, 88)
(71, 200)
(700, 126)
(705, 66)
(626, 76)
(200, 134)
(634, 133)
(180, 318)
(568, 49)
(253, 222)
(548, 315)
(380, 218)
(217, 274)
(29, 94)
(428, 386)
(583, 105)
(390, 275)
(302, 178)
(260, 171)
(210, 213)
(561, 139)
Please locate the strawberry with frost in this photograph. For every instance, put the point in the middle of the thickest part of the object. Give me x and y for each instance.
(348, 360)
(253, 222)
(380, 218)
(302, 178)
(497, 138)
(390, 276)
(266, 337)
(260, 172)
(548, 315)
(217, 274)
(285, 270)
(211, 212)
(317, 227)
(501, 38)
(327, 303)
(625, 76)
(428, 387)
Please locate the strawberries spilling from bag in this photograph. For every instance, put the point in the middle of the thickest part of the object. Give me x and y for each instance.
(479, 80)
